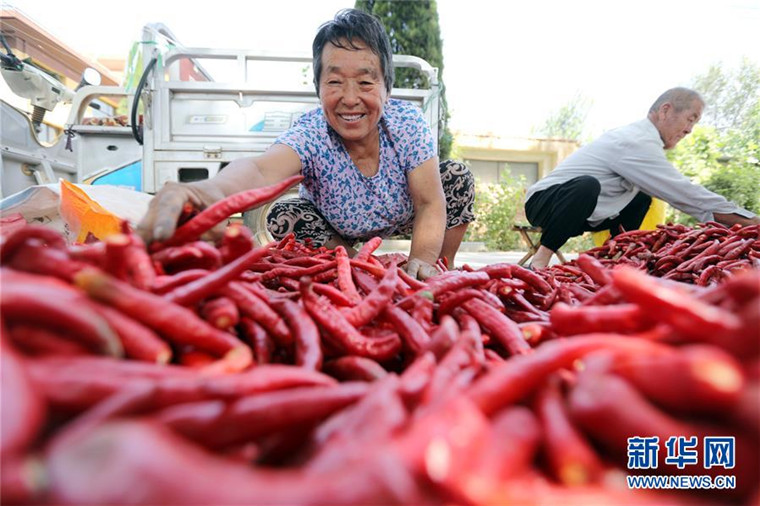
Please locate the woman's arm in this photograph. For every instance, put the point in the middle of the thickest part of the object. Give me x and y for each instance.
(429, 224)
(277, 163)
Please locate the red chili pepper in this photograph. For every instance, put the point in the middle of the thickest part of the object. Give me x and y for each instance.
(258, 415)
(523, 303)
(166, 283)
(368, 248)
(336, 296)
(415, 378)
(173, 322)
(622, 318)
(411, 282)
(532, 278)
(376, 270)
(287, 241)
(739, 250)
(220, 312)
(93, 253)
(457, 363)
(423, 312)
(23, 479)
(59, 309)
(572, 459)
(193, 255)
(45, 235)
(223, 209)
(39, 259)
(537, 332)
(352, 368)
(258, 309)
(701, 380)
(35, 341)
(597, 400)
(377, 416)
(375, 302)
(255, 335)
(157, 462)
(684, 313)
(24, 410)
(506, 331)
(305, 333)
(297, 272)
(139, 342)
(195, 291)
(594, 269)
(701, 262)
(710, 273)
(667, 262)
(139, 266)
(342, 333)
(445, 283)
(115, 263)
(455, 299)
(509, 382)
(304, 261)
(413, 335)
(345, 282)
(236, 241)
(454, 281)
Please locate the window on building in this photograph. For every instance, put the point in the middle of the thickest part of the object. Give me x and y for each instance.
(488, 171)
(484, 171)
(529, 170)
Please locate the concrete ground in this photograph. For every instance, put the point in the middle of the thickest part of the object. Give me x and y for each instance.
(473, 254)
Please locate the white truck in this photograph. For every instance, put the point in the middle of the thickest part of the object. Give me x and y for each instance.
(193, 111)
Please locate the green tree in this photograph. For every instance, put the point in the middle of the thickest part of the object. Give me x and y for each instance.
(496, 206)
(731, 95)
(569, 121)
(414, 30)
(723, 152)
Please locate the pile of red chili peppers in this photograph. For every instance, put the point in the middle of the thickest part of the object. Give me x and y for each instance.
(701, 255)
(227, 373)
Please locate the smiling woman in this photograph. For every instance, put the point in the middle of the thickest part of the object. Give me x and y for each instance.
(369, 163)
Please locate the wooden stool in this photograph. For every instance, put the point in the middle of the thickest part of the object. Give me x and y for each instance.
(525, 232)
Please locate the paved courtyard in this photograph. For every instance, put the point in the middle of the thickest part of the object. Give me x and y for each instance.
(473, 254)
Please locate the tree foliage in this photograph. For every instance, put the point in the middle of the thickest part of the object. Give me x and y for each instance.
(496, 206)
(730, 95)
(413, 29)
(723, 152)
(569, 121)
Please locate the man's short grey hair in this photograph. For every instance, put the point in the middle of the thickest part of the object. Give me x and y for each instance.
(680, 98)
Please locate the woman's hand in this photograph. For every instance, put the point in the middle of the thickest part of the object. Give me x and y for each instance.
(166, 207)
(420, 269)
(277, 163)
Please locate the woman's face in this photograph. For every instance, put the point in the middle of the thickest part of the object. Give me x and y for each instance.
(352, 91)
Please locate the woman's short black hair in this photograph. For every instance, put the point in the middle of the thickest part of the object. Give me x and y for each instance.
(353, 26)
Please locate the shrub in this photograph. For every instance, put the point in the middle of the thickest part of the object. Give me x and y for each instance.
(497, 207)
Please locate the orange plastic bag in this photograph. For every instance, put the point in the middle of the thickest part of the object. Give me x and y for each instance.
(83, 216)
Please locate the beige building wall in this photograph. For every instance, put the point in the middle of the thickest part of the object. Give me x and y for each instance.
(491, 156)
